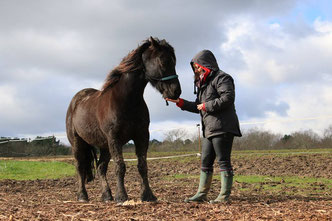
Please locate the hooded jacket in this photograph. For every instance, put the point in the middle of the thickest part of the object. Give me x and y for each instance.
(218, 94)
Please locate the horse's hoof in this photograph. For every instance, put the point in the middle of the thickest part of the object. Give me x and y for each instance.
(121, 199)
(83, 200)
(106, 198)
(150, 198)
(82, 197)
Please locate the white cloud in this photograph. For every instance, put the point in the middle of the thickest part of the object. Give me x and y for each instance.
(49, 50)
(283, 76)
(309, 109)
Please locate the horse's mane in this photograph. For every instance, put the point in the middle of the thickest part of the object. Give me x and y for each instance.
(131, 63)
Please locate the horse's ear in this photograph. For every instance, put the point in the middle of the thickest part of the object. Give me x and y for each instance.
(154, 43)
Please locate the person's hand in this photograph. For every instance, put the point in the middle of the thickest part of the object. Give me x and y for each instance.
(200, 106)
(171, 100)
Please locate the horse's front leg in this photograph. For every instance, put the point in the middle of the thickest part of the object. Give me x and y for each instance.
(120, 171)
(142, 144)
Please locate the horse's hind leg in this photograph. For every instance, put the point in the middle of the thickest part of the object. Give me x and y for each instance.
(102, 169)
(141, 152)
(120, 170)
(82, 154)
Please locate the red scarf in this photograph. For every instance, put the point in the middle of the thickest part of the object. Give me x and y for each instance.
(206, 73)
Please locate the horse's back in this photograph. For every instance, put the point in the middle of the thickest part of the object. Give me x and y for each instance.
(80, 96)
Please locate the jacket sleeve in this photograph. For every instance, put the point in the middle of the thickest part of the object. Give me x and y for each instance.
(226, 91)
(190, 106)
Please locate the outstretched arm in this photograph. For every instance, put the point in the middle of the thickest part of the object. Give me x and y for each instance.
(186, 105)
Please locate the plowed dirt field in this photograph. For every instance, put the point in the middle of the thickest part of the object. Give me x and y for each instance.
(172, 180)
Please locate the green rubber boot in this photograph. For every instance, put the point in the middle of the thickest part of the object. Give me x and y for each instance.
(226, 187)
(205, 181)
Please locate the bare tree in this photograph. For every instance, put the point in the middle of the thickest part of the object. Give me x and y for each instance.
(327, 138)
(175, 135)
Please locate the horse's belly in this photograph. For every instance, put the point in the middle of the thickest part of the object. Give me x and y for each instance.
(93, 137)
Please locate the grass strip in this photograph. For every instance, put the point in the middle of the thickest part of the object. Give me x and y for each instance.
(32, 170)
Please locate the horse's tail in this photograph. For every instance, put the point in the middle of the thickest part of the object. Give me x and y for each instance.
(92, 164)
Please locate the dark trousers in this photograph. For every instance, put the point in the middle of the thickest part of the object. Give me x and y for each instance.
(220, 148)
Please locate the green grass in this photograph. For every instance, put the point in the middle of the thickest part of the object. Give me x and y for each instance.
(289, 185)
(31, 170)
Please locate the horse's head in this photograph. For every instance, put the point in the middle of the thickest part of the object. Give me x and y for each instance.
(159, 62)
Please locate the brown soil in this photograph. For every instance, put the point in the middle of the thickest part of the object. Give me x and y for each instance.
(56, 199)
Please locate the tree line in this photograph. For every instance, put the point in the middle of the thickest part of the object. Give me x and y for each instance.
(177, 140)
(252, 139)
(40, 146)
(255, 139)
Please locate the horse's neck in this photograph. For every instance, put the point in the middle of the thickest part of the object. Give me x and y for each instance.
(131, 86)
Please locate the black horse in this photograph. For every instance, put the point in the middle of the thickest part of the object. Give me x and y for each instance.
(110, 117)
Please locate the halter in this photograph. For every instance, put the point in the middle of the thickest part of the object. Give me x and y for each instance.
(149, 78)
(169, 77)
(162, 79)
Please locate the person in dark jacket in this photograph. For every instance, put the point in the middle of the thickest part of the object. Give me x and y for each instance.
(215, 104)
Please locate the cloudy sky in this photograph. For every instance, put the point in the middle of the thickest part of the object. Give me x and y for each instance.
(278, 52)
